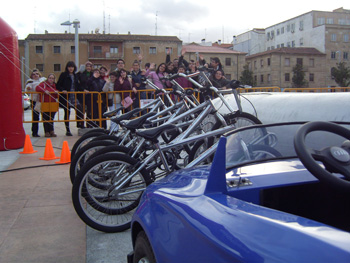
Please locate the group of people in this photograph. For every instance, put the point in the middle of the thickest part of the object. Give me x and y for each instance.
(79, 88)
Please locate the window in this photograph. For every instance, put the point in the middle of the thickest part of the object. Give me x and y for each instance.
(287, 62)
(227, 61)
(345, 55)
(320, 21)
(311, 77)
(301, 25)
(268, 78)
(288, 28)
(346, 38)
(311, 62)
(292, 28)
(301, 42)
(261, 63)
(97, 49)
(228, 76)
(333, 54)
(288, 44)
(286, 77)
(268, 36)
(278, 32)
(341, 21)
(282, 30)
(72, 49)
(282, 45)
(293, 43)
(300, 61)
(153, 50)
(278, 45)
(39, 49)
(113, 49)
(255, 79)
(136, 50)
(268, 61)
(334, 37)
(262, 78)
(170, 49)
(330, 21)
(255, 67)
(40, 67)
(56, 67)
(56, 49)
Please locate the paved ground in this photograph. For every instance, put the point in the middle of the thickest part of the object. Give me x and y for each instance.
(38, 222)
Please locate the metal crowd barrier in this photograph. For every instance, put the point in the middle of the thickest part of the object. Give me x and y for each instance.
(98, 101)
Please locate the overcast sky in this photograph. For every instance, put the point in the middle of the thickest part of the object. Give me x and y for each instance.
(191, 21)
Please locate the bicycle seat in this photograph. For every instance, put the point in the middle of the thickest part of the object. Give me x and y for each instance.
(137, 123)
(110, 114)
(125, 116)
(153, 133)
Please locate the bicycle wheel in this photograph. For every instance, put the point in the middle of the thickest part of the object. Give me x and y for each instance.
(84, 153)
(240, 119)
(85, 139)
(104, 210)
(107, 137)
(255, 152)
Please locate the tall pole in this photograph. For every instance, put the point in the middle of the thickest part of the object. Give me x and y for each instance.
(76, 25)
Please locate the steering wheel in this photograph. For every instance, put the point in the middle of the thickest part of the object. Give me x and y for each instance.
(335, 159)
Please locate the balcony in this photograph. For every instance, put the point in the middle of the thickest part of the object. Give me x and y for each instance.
(104, 55)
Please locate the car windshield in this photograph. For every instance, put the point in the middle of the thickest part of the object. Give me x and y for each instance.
(269, 142)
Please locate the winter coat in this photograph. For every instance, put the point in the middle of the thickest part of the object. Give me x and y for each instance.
(46, 86)
(65, 83)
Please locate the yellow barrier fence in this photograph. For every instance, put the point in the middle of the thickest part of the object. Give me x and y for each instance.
(90, 106)
(331, 89)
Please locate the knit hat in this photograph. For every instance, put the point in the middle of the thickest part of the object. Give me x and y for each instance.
(88, 63)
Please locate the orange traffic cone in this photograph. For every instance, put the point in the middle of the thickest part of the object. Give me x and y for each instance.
(49, 153)
(65, 154)
(28, 148)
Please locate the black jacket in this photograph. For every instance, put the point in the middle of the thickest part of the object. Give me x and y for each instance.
(65, 83)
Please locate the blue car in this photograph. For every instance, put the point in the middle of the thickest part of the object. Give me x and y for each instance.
(282, 196)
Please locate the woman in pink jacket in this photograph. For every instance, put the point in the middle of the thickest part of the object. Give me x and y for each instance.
(156, 76)
(49, 93)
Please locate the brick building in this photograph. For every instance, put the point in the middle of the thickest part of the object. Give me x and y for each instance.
(275, 67)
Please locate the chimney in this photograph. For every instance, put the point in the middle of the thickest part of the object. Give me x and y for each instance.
(219, 41)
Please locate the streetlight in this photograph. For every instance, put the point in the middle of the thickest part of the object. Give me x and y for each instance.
(76, 25)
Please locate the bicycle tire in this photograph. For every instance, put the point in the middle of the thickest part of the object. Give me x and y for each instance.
(83, 140)
(83, 154)
(107, 137)
(112, 215)
(239, 118)
(110, 149)
(256, 152)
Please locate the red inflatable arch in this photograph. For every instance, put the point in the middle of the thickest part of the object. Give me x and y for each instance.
(11, 110)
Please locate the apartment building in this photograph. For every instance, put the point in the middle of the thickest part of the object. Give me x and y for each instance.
(50, 52)
(250, 42)
(275, 67)
(328, 32)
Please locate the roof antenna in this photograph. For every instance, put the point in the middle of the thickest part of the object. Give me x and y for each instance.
(156, 22)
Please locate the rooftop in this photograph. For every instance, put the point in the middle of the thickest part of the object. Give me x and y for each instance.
(192, 48)
(288, 50)
(101, 37)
